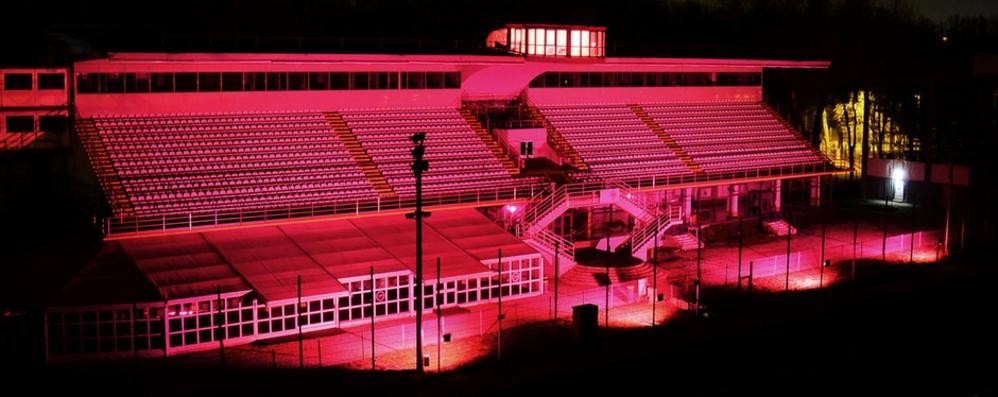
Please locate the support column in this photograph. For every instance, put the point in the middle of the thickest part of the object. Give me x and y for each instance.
(778, 195)
(734, 192)
(688, 203)
(816, 191)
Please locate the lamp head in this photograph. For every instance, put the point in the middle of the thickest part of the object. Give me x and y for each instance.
(418, 138)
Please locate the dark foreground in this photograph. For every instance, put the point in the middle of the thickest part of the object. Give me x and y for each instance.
(923, 330)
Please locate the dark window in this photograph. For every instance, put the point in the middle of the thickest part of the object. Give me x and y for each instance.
(360, 81)
(209, 82)
(435, 80)
(415, 80)
(393, 80)
(339, 81)
(551, 79)
(297, 81)
(136, 82)
(537, 82)
(51, 81)
(318, 81)
(20, 124)
(277, 81)
(375, 81)
(53, 124)
(232, 81)
(739, 79)
(452, 80)
(595, 79)
(623, 79)
(113, 83)
(162, 82)
(17, 81)
(88, 83)
(186, 82)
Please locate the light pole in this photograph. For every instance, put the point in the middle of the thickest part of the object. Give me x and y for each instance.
(789, 233)
(419, 166)
(696, 282)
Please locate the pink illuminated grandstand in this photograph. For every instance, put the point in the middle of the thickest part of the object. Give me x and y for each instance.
(228, 176)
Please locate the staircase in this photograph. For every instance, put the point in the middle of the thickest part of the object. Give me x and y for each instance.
(490, 141)
(669, 142)
(780, 227)
(100, 160)
(633, 203)
(360, 156)
(686, 241)
(644, 236)
(551, 245)
(594, 275)
(537, 216)
(558, 142)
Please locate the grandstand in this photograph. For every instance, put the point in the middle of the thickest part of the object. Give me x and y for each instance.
(238, 184)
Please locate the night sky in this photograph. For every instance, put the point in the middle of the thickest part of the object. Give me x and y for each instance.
(941, 9)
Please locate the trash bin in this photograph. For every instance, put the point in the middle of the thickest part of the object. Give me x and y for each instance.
(585, 320)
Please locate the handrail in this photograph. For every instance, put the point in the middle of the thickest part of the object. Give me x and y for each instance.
(134, 224)
(190, 220)
(566, 248)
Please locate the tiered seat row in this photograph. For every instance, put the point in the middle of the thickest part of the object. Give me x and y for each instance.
(185, 163)
(459, 160)
(614, 142)
(734, 136)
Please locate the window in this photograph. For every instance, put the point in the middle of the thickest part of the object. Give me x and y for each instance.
(277, 81)
(415, 80)
(113, 83)
(434, 80)
(452, 80)
(739, 79)
(393, 80)
(53, 124)
(162, 82)
(186, 82)
(51, 81)
(232, 81)
(254, 81)
(136, 82)
(17, 81)
(262, 81)
(360, 81)
(209, 82)
(20, 124)
(318, 81)
(88, 83)
(297, 81)
(339, 81)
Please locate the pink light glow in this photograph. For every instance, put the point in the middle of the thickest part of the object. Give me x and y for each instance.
(512, 208)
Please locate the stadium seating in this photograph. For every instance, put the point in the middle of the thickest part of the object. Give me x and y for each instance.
(181, 163)
(459, 160)
(732, 136)
(613, 142)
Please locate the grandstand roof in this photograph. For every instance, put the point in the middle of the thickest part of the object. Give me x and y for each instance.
(268, 259)
(477, 235)
(278, 59)
(342, 249)
(271, 262)
(397, 235)
(108, 279)
(183, 266)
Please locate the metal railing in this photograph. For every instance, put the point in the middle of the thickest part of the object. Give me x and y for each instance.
(566, 248)
(662, 182)
(191, 220)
